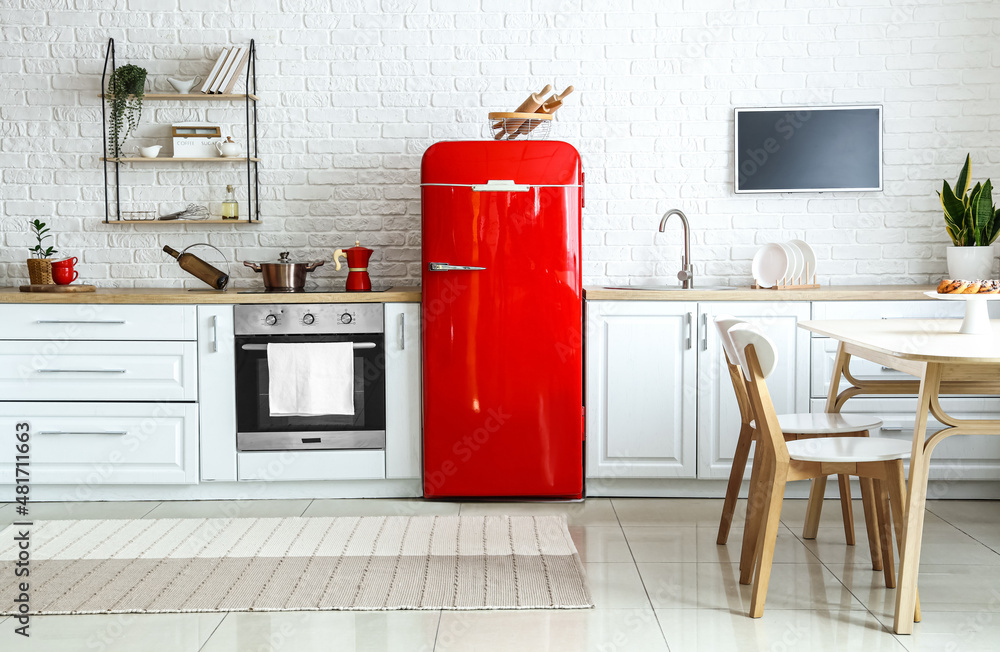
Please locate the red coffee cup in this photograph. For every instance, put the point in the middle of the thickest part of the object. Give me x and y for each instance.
(64, 275)
(68, 263)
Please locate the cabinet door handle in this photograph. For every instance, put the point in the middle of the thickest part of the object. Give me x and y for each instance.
(80, 321)
(402, 331)
(891, 428)
(83, 432)
(80, 371)
(704, 331)
(215, 333)
(688, 319)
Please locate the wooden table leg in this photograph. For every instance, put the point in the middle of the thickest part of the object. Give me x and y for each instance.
(916, 498)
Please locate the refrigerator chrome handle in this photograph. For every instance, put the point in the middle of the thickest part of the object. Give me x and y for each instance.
(445, 267)
(688, 320)
(500, 185)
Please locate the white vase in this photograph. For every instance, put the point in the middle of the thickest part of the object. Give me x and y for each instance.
(971, 263)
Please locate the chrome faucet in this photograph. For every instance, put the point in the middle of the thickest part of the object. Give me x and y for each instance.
(686, 275)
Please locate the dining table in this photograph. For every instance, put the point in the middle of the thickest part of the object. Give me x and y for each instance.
(942, 361)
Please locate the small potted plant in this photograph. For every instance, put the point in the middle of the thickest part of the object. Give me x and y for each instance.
(40, 263)
(973, 223)
(127, 88)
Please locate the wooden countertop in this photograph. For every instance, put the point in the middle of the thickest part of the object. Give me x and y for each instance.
(400, 294)
(824, 293)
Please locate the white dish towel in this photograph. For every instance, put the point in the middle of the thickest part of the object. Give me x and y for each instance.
(310, 379)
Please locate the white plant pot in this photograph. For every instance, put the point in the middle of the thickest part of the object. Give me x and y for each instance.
(971, 263)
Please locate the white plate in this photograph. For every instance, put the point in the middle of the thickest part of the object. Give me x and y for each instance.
(796, 263)
(770, 265)
(962, 297)
(977, 316)
(808, 257)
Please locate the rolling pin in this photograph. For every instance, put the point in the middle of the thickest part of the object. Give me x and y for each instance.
(550, 106)
(530, 105)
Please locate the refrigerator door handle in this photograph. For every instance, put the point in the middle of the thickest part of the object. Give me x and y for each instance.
(445, 267)
(500, 185)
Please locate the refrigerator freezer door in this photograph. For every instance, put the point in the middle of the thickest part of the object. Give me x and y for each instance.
(503, 362)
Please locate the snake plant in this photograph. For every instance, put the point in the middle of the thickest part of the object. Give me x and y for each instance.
(970, 216)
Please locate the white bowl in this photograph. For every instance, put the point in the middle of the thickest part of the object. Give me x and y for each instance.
(809, 257)
(796, 262)
(770, 265)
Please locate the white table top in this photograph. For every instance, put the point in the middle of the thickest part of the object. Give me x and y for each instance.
(924, 340)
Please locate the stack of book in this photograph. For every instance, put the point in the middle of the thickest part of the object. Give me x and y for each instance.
(226, 70)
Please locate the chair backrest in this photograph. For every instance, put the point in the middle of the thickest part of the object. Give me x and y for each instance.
(758, 358)
(724, 323)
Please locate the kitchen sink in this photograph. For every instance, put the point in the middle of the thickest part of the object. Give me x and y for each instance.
(671, 288)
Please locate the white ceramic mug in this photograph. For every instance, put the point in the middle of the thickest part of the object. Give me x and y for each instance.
(228, 150)
(148, 152)
(183, 86)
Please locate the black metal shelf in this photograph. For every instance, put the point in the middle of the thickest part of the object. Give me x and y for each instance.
(249, 96)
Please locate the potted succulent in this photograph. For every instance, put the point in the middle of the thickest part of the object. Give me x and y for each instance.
(973, 223)
(127, 88)
(40, 263)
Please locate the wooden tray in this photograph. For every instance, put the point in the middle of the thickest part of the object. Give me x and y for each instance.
(58, 288)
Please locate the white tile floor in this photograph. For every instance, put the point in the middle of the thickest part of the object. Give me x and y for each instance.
(659, 583)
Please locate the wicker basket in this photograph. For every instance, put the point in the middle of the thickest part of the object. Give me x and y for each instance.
(40, 271)
(510, 126)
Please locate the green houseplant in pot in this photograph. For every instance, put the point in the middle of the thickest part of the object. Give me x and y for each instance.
(973, 223)
(40, 263)
(127, 88)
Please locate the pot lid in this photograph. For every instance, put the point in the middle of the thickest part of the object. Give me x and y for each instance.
(284, 260)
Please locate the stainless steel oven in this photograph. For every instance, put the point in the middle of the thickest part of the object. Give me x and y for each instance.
(359, 323)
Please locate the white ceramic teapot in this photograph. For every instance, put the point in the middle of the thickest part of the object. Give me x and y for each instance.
(228, 149)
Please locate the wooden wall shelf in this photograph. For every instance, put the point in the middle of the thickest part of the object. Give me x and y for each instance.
(175, 222)
(193, 96)
(167, 159)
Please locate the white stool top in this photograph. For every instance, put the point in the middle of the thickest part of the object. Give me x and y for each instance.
(823, 423)
(848, 449)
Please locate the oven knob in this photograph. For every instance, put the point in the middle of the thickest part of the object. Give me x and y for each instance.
(308, 319)
(271, 320)
(346, 318)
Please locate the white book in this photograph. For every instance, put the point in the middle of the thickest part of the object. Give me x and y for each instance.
(215, 71)
(230, 60)
(235, 70)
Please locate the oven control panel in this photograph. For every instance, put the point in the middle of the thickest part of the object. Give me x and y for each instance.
(309, 318)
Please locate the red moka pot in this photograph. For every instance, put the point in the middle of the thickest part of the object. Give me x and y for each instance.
(357, 266)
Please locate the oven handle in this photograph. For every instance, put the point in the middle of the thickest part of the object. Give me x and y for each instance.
(263, 347)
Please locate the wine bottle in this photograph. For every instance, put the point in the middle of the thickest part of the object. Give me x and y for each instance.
(199, 268)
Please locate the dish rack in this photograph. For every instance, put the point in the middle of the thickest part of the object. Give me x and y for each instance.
(800, 283)
(512, 126)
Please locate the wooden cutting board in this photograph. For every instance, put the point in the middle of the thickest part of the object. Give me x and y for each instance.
(58, 288)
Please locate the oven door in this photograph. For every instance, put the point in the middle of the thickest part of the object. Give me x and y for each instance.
(257, 430)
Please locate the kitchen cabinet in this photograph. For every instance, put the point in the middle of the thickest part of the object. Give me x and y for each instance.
(217, 395)
(718, 414)
(109, 392)
(402, 390)
(640, 389)
(661, 407)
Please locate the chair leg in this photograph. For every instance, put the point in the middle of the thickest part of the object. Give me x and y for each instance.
(735, 480)
(897, 499)
(872, 519)
(882, 508)
(756, 501)
(814, 508)
(766, 541)
(845, 506)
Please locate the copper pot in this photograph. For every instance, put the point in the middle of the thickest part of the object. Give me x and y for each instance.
(283, 275)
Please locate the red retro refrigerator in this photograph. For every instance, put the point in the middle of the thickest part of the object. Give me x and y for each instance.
(502, 320)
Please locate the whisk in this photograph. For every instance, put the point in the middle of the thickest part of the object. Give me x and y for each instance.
(192, 212)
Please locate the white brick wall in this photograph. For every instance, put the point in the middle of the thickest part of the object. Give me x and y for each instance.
(354, 91)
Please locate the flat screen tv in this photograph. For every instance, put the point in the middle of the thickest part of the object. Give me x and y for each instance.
(809, 149)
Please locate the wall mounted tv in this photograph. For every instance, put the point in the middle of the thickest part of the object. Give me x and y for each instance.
(809, 149)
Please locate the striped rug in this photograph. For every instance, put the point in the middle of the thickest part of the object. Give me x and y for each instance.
(293, 564)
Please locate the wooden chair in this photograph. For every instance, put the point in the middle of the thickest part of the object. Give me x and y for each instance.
(794, 427)
(878, 459)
